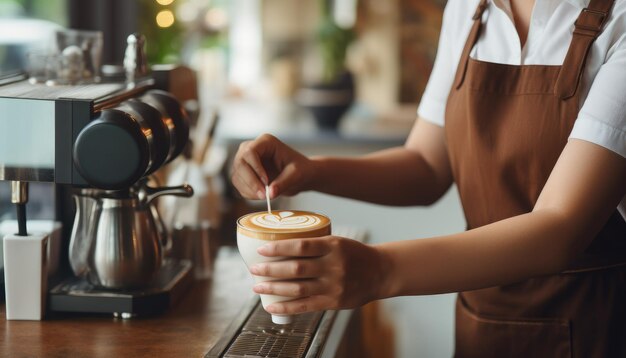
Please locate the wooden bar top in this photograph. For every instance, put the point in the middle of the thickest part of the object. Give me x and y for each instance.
(189, 329)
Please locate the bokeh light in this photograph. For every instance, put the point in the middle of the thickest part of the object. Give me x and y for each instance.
(216, 18)
(165, 18)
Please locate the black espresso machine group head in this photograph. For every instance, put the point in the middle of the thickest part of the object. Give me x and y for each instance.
(131, 140)
(100, 135)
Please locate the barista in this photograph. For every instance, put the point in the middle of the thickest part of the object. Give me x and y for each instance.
(527, 116)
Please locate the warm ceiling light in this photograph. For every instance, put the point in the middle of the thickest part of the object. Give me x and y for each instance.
(165, 2)
(165, 18)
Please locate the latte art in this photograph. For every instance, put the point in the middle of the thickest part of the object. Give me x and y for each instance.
(280, 225)
(285, 220)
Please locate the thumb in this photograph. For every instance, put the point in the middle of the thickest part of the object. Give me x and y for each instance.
(286, 182)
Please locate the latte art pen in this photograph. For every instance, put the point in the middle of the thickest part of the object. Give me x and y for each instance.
(267, 198)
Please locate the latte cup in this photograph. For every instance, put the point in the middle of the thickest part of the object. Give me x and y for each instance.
(257, 229)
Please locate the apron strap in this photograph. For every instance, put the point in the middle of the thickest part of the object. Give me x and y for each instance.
(469, 43)
(587, 28)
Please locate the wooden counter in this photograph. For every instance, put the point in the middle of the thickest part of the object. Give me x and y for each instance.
(189, 329)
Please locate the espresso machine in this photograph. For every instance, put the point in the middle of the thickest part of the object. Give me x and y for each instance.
(102, 141)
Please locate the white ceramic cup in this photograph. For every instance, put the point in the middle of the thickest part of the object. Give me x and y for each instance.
(257, 229)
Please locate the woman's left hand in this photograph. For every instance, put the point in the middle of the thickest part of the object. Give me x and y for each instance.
(322, 273)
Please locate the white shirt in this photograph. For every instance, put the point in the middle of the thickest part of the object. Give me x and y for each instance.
(602, 117)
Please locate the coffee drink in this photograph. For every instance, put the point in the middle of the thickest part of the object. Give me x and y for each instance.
(257, 229)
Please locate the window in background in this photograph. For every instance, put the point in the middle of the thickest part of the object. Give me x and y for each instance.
(26, 25)
(50, 10)
(245, 43)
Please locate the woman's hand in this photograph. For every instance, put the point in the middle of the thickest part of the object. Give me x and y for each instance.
(323, 273)
(268, 161)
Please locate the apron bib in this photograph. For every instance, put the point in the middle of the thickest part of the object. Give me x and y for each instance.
(505, 128)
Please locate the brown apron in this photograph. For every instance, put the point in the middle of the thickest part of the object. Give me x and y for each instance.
(505, 129)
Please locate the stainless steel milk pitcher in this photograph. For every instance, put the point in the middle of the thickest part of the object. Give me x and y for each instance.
(117, 242)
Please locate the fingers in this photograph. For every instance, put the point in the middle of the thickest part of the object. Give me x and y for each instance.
(297, 248)
(303, 305)
(247, 183)
(285, 180)
(251, 156)
(291, 269)
(249, 174)
(301, 288)
(266, 158)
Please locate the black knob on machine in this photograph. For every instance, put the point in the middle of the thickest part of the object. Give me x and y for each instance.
(150, 118)
(131, 141)
(112, 152)
(175, 118)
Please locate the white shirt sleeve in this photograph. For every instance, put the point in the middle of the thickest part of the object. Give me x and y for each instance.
(602, 118)
(454, 31)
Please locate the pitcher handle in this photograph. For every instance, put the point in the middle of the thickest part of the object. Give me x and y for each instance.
(148, 193)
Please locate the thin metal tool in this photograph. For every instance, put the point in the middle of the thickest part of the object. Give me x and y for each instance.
(267, 198)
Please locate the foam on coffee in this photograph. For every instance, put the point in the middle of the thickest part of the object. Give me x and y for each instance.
(280, 225)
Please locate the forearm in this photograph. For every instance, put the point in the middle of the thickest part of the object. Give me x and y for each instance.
(508, 251)
(577, 200)
(395, 176)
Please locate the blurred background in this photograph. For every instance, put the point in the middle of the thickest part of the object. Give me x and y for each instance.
(255, 48)
(329, 77)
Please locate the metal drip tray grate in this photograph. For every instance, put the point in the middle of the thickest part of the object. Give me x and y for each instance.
(260, 338)
(250, 344)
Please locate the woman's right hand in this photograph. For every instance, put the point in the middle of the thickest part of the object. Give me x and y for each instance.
(268, 161)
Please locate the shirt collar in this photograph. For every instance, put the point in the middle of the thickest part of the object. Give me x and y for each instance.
(581, 4)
